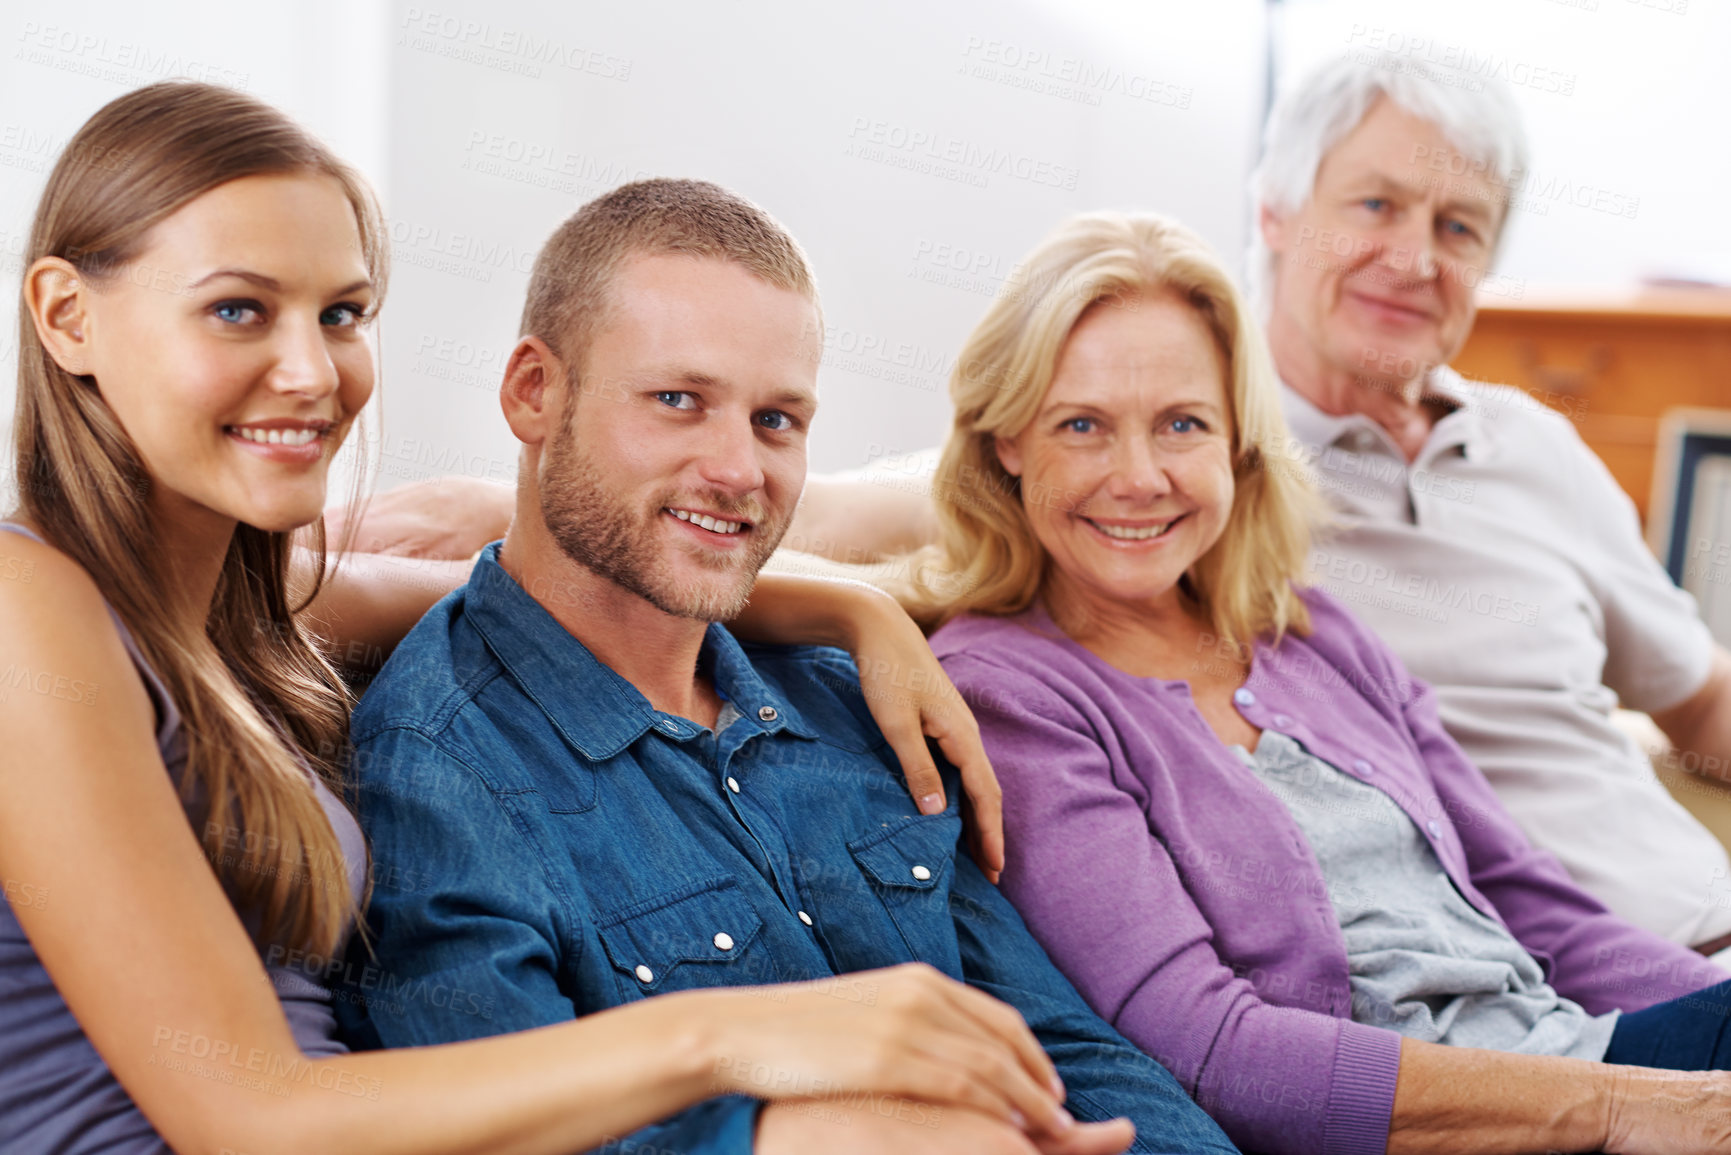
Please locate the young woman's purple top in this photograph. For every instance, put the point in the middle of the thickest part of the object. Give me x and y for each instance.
(1177, 893)
(56, 1093)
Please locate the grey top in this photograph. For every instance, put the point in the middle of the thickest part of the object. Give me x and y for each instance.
(1506, 567)
(56, 1093)
(1420, 960)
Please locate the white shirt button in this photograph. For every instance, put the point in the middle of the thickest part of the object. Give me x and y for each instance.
(766, 714)
(733, 783)
(804, 917)
(645, 975)
(1360, 765)
(723, 941)
(1243, 697)
(1434, 827)
(921, 873)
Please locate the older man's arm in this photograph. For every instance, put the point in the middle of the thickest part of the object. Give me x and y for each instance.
(1701, 723)
(865, 515)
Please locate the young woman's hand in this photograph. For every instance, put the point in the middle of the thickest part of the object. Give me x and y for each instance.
(900, 1033)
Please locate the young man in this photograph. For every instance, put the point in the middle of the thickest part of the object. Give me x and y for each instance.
(588, 792)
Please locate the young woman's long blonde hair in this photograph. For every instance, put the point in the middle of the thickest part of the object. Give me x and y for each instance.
(257, 697)
(987, 559)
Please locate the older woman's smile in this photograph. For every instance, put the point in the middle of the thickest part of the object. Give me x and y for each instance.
(1132, 531)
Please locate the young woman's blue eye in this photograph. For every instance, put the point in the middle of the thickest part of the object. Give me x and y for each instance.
(1375, 204)
(234, 312)
(344, 315)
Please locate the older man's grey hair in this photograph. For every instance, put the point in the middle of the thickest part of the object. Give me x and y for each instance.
(1477, 114)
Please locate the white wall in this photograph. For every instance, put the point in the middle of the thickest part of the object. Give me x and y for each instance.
(812, 111)
(1625, 104)
(485, 124)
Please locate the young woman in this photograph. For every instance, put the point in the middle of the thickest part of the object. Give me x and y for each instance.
(194, 348)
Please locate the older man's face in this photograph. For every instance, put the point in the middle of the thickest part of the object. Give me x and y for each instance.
(1376, 273)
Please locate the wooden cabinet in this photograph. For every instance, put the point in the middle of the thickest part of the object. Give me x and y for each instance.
(1611, 361)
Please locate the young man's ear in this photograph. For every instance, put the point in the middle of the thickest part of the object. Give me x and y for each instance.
(534, 393)
(55, 294)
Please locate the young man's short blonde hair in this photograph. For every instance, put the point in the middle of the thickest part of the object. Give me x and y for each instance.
(567, 301)
(988, 559)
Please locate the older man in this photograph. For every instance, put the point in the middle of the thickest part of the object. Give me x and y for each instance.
(1478, 533)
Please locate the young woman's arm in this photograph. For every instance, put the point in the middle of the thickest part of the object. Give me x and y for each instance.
(143, 945)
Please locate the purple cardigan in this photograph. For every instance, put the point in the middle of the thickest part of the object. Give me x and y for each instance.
(1179, 896)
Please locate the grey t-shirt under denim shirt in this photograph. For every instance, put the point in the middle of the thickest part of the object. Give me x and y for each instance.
(1422, 962)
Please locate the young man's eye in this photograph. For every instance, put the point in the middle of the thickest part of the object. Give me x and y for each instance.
(676, 399)
(775, 420)
(1458, 229)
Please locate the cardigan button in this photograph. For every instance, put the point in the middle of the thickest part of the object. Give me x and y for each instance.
(1243, 697)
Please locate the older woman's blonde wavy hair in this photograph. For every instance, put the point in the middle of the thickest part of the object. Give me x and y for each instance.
(987, 559)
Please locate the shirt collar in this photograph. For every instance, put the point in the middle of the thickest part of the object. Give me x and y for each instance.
(1466, 428)
(593, 708)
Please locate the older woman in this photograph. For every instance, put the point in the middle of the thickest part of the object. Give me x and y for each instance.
(1234, 819)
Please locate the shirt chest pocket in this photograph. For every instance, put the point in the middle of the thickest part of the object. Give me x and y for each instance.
(911, 866)
(707, 936)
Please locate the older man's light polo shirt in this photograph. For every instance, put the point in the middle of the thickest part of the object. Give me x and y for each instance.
(1507, 569)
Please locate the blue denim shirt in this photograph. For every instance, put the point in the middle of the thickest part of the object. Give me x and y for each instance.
(547, 844)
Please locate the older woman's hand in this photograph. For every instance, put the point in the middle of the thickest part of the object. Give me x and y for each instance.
(912, 699)
(907, 691)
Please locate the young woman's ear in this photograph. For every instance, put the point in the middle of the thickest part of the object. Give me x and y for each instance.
(56, 295)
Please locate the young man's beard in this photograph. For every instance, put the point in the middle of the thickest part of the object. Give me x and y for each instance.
(609, 539)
